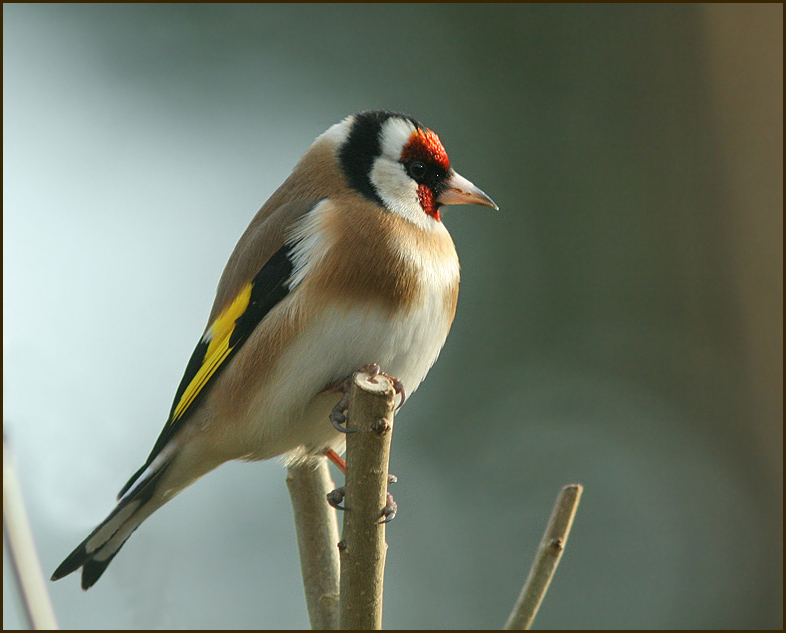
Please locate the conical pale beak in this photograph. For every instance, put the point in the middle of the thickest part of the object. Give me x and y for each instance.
(461, 191)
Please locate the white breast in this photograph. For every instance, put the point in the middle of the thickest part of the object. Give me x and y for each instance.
(339, 342)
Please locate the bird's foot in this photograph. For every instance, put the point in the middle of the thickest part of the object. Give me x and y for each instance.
(390, 509)
(338, 416)
(335, 497)
(374, 370)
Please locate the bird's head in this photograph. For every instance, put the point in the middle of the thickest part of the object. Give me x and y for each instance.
(398, 163)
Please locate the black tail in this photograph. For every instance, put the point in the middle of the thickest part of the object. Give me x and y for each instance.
(95, 553)
(92, 568)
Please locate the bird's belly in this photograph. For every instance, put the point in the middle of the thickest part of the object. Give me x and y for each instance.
(290, 415)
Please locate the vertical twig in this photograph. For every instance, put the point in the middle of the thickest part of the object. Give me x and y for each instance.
(317, 539)
(20, 545)
(363, 548)
(549, 553)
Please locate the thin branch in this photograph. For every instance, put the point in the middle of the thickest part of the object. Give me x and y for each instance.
(363, 548)
(549, 553)
(317, 539)
(19, 542)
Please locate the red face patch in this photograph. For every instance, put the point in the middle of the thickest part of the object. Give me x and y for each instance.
(427, 202)
(423, 144)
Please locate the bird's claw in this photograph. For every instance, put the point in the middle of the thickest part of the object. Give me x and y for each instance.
(374, 370)
(389, 511)
(335, 497)
(338, 416)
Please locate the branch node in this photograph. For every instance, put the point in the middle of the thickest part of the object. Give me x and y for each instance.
(381, 426)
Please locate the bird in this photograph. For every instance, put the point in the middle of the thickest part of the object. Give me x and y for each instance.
(347, 265)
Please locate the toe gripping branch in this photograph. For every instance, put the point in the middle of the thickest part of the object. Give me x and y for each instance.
(336, 497)
(338, 416)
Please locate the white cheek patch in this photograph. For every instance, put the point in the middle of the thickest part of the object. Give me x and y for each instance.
(399, 192)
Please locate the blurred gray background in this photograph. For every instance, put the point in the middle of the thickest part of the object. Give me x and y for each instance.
(620, 322)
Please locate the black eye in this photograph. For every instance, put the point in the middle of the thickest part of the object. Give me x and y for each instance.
(417, 170)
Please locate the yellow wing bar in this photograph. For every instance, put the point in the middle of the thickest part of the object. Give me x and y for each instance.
(218, 335)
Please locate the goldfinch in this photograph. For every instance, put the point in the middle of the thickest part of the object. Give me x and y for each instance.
(347, 265)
